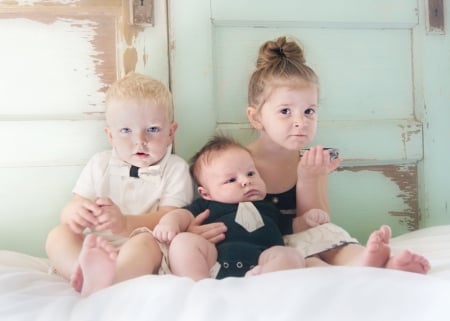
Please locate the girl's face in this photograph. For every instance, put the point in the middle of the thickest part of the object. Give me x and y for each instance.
(288, 117)
(139, 131)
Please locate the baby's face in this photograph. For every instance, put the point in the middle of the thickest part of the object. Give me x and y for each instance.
(139, 131)
(231, 177)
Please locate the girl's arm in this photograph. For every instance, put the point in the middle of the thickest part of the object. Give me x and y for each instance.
(312, 180)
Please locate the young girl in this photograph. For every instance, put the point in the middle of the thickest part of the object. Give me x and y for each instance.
(283, 99)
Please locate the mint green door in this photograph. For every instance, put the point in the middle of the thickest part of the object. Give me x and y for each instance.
(368, 55)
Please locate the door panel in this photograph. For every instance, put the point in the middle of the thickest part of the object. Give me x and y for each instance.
(363, 53)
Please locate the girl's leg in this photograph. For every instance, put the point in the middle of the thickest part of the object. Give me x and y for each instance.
(278, 258)
(191, 255)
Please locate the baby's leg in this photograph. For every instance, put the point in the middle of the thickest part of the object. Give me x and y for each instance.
(410, 262)
(191, 255)
(140, 255)
(97, 265)
(278, 258)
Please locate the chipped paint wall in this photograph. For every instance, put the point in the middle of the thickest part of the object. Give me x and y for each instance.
(57, 60)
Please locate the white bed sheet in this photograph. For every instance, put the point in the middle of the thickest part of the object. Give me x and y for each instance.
(28, 292)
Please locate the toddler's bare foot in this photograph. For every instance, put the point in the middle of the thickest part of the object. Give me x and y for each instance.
(97, 263)
(410, 262)
(377, 250)
(76, 279)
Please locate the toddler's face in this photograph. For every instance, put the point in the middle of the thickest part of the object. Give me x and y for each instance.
(230, 176)
(140, 131)
(289, 116)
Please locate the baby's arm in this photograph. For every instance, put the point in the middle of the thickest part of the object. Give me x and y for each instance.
(171, 224)
(312, 179)
(80, 213)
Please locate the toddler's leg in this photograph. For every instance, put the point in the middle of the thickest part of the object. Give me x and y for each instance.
(278, 258)
(63, 248)
(191, 255)
(140, 255)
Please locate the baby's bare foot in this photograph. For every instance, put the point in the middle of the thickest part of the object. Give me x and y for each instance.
(410, 262)
(254, 271)
(97, 263)
(377, 250)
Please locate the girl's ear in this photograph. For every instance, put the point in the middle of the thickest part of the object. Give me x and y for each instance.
(253, 118)
(203, 193)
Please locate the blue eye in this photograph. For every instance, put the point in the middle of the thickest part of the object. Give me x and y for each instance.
(251, 173)
(153, 130)
(231, 180)
(125, 130)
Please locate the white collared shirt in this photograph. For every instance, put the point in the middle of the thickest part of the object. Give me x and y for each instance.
(172, 187)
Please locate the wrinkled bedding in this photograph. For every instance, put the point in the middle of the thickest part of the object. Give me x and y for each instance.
(29, 292)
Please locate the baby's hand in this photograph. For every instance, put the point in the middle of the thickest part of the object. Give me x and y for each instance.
(110, 216)
(316, 162)
(165, 232)
(316, 217)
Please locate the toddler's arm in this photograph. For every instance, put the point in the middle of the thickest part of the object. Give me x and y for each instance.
(171, 224)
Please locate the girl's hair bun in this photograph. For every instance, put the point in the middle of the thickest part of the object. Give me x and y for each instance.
(278, 51)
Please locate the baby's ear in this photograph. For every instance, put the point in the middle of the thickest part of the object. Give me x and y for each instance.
(203, 193)
(253, 117)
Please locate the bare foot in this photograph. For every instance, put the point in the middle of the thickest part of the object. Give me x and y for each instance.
(97, 263)
(408, 261)
(76, 279)
(254, 271)
(377, 251)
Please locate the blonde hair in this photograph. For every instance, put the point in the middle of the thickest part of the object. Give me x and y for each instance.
(216, 145)
(280, 63)
(136, 86)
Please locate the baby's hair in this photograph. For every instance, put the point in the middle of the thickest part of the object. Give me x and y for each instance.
(217, 144)
(135, 86)
(280, 62)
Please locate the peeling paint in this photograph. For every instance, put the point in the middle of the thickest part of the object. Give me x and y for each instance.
(405, 177)
(129, 59)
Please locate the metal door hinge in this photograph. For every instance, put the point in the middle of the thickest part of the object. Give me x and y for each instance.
(141, 12)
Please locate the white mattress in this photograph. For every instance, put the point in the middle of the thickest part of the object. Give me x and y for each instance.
(28, 292)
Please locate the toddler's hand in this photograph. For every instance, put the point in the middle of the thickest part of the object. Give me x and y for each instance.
(110, 216)
(81, 214)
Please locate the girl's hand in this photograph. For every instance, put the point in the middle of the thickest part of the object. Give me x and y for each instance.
(213, 232)
(316, 162)
(110, 216)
